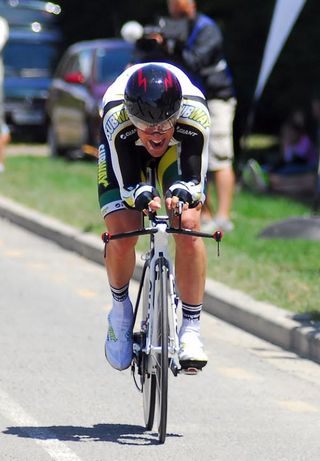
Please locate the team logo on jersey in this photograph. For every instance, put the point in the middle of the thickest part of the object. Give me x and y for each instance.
(197, 114)
(186, 132)
(129, 133)
(102, 168)
(113, 121)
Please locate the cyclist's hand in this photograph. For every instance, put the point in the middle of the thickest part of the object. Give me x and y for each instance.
(172, 203)
(141, 197)
(187, 192)
(154, 205)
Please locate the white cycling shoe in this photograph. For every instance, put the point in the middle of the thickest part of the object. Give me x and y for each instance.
(191, 353)
(119, 342)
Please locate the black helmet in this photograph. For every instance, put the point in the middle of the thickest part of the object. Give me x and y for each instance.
(152, 97)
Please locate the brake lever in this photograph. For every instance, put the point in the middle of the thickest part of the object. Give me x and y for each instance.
(151, 214)
(218, 237)
(178, 212)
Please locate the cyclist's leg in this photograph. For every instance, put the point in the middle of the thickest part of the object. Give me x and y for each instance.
(191, 266)
(120, 261)
(120, 254)
(190, 253)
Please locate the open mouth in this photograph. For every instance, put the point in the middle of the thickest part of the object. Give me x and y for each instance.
(157, 144)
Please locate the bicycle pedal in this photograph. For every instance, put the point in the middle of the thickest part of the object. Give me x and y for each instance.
(193, 364)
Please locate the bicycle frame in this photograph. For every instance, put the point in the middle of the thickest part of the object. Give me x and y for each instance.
(156, 345)
(159, 258)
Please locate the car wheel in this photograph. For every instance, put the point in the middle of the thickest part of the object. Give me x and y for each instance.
(54, 150)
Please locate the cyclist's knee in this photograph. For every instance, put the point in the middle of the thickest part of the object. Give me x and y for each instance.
(123, 221)
(123, 246)
(191, 219)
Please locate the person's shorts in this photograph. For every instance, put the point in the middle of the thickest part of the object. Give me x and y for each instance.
(109, 193)
(221, 133)
(4, 129)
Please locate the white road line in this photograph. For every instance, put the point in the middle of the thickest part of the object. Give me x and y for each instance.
(46, 439)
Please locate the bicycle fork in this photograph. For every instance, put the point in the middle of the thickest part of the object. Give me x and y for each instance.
(143, 343)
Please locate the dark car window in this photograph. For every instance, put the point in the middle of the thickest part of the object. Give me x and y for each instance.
(77, 62)
(110, 63)
(72, 65)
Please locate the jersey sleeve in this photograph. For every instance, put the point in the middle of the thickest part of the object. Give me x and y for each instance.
(118, 138)
(192, 131)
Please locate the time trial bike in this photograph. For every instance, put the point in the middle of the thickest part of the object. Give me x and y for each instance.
(156, 341)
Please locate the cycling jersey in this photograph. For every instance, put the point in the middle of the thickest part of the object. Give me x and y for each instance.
(123, 158)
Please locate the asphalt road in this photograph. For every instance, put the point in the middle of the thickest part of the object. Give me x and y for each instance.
(60, 400)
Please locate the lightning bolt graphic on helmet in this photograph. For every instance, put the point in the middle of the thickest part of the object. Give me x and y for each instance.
(168, 81)
(142, 81)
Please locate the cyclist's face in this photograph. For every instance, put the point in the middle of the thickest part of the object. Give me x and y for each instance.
(155, 141)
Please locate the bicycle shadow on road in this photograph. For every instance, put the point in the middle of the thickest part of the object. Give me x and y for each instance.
(124, 434)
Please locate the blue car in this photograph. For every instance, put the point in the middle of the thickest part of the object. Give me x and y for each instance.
(29, 59)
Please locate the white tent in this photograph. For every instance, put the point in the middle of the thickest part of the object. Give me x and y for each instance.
(284, 17)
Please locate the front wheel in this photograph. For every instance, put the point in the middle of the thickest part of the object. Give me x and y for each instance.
(149, 399)
(162, 360)
(148, 378)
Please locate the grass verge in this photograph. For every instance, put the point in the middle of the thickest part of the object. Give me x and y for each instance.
(283, 272)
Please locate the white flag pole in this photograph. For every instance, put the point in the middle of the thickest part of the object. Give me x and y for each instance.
(284, 17)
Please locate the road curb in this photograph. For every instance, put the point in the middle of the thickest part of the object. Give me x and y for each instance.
(261, 319)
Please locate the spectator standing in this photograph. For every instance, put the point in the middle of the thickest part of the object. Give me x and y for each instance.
(4, 130)
(201, 56)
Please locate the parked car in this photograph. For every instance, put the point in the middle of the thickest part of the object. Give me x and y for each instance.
(75, 96)
(29, 58)
(22, 12)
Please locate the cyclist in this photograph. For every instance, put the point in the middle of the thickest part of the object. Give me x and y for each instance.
(153, 112)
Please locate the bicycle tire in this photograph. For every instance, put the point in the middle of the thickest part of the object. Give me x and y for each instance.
(162, 362)
(149, 379)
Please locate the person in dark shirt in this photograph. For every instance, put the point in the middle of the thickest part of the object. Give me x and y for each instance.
(200, 54)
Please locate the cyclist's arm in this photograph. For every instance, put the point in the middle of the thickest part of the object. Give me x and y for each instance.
(123, 159)
(193, 133)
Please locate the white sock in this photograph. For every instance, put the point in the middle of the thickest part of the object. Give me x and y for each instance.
(191, 317)
(190, 325)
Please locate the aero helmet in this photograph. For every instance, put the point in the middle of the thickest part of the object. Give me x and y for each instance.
(153, 97)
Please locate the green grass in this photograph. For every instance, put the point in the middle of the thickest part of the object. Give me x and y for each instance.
(65, 190)
(283, 272)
